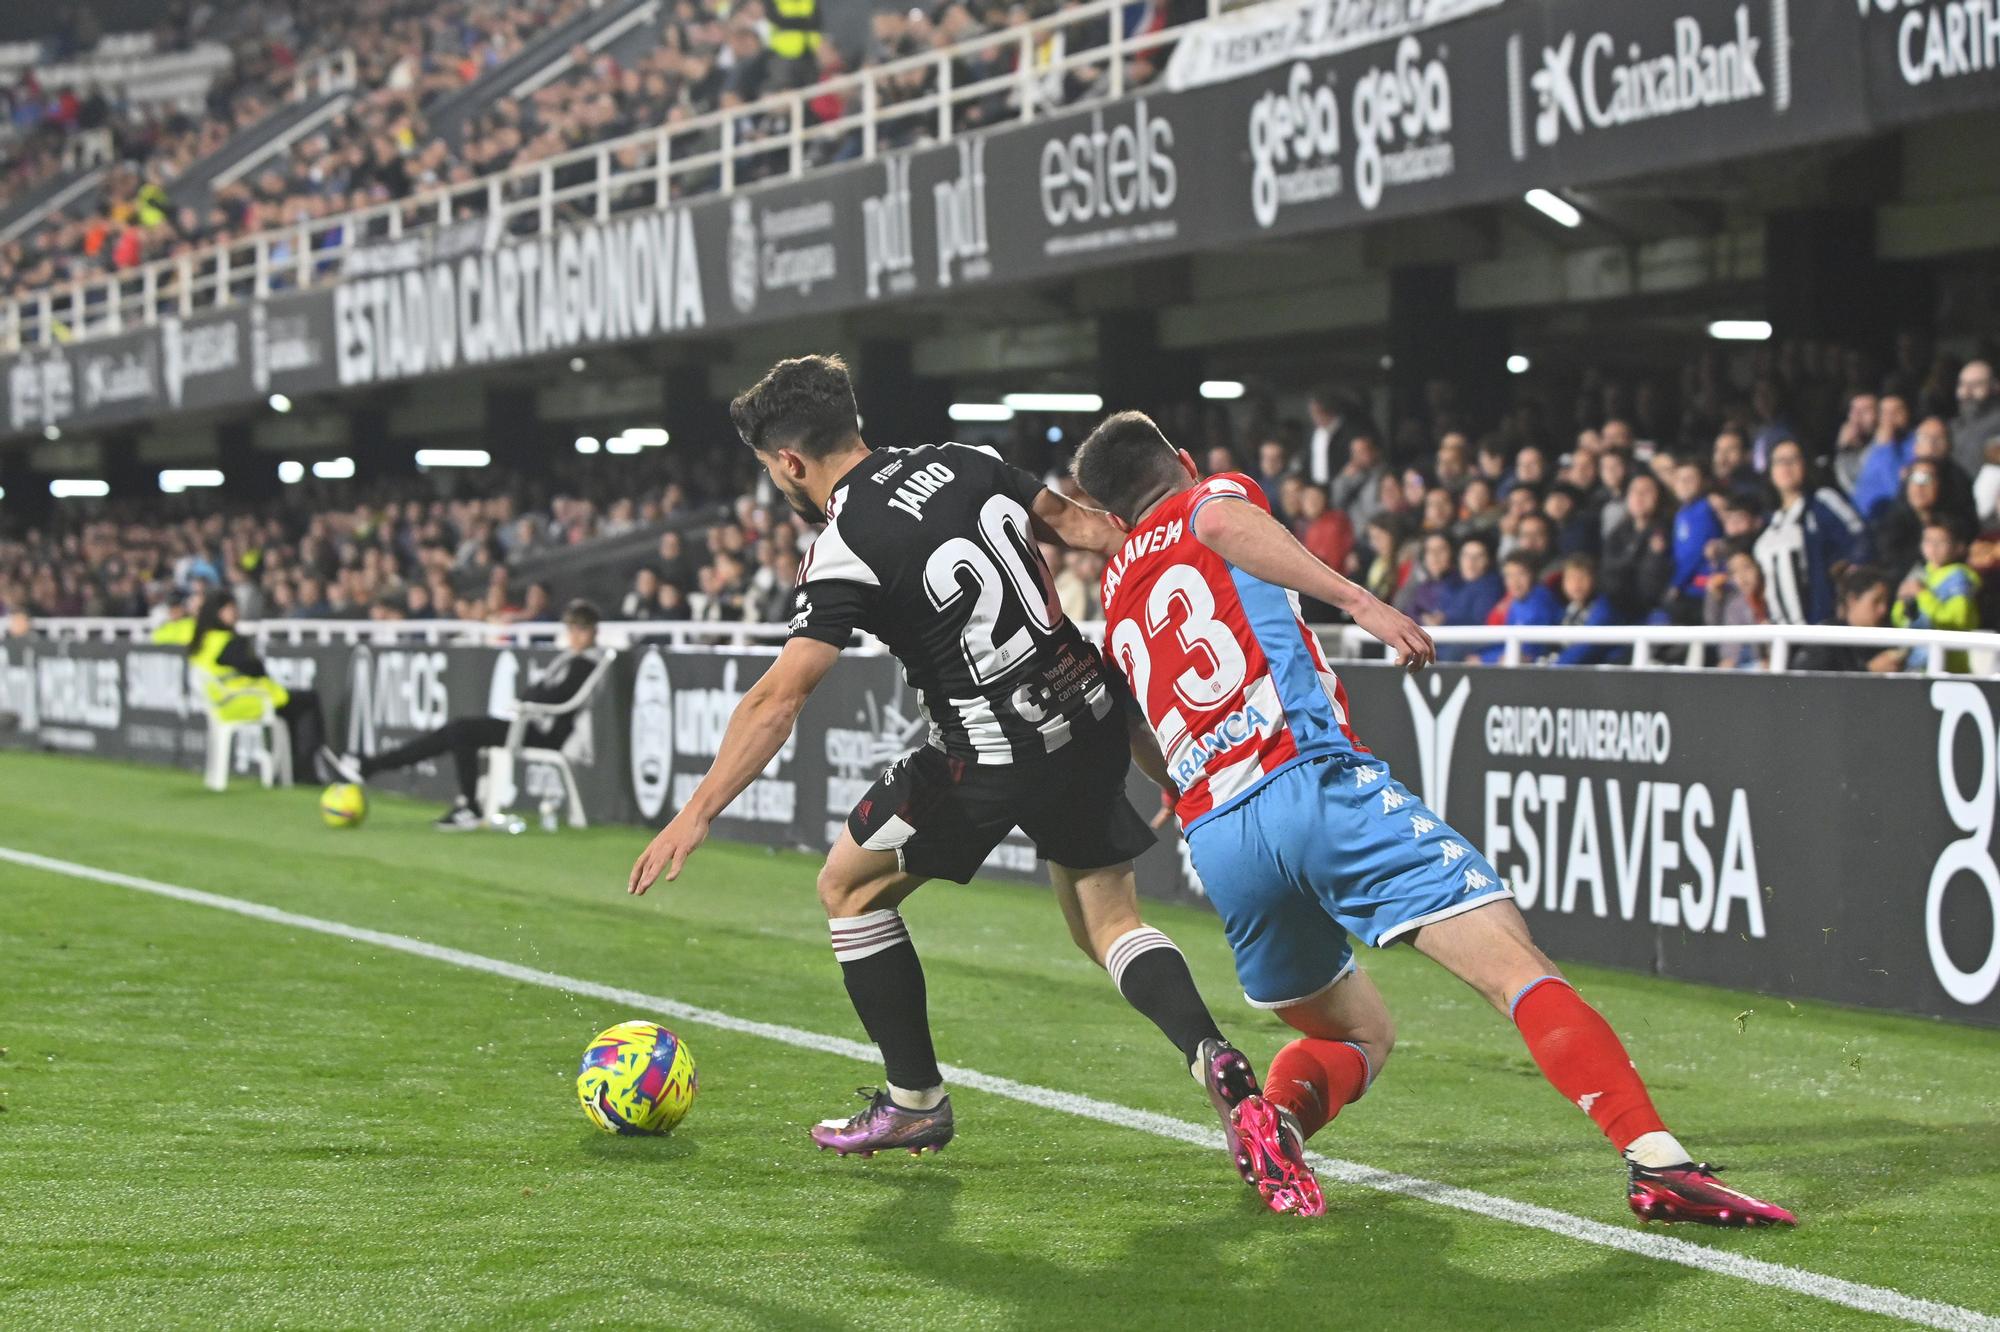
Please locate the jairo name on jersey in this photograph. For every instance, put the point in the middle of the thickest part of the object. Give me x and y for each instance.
(918, 487)
(1146, 544)
(1232, 731)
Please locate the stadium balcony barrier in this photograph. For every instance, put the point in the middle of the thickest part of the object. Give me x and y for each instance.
(1348, 642)
(702, 155)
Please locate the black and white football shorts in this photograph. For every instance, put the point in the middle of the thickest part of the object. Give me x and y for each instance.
(943, 816)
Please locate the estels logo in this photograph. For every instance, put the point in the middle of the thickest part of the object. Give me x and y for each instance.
(1105, 174)
(1588, 83)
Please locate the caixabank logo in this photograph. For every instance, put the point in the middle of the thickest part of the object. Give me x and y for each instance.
(1586, 82)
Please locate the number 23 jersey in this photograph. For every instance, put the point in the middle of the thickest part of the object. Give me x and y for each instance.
(1234, 686)
(932, 550)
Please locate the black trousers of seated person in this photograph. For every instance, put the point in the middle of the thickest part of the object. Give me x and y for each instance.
(461, 737)
(307, 724)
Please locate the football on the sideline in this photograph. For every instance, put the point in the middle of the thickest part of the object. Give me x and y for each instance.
(636, 1077)
(343, 805)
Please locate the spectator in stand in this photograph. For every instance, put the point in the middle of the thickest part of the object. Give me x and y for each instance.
(1530, 470)
(642, 601)
(1697, 522)
(1864, 604)
(1454, 462)
(1431, 583)
(1274, 464)
(1535, 541)
(1439, 512)
(1736, 599)
(1577, 528)
(1335, 425)
(1526, 602)
(1322, 529)
(1850, 446)
(1772, 424)
(1881, 474)
(1639, 555)
(1931, 443)
(1945, 595)
(1357, 488)
(1479, 590)
(1478, 516)
(1978, 423)
(1900, 530)
(1730, 465)
(1586, 607)
(1809, 540)
(1384, 563)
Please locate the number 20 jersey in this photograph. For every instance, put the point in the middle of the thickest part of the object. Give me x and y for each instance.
(932, 550)
(1234, 686)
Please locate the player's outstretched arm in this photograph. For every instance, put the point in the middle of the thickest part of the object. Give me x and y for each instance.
(1259, 545)
(1064, 521)
(756, 732)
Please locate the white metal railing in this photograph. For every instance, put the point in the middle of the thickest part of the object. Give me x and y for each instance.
(763, 140)
(1348, 641)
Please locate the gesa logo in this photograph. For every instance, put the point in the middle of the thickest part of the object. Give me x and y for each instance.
(1401, 118)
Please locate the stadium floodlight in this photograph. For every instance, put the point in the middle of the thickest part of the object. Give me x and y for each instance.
(51, 433)
(334, 469)
(577, 365)
(79, 488)
(1517, 364)
(280, 403)
(1222, 390)
(646, 437)
(1054, 402)
(1740, 330)
(1055, 434)
(453, 458)
(175, 480)
(291, 472)
(587, 444)
(980, 411)
(620, 444)
(1554, 207)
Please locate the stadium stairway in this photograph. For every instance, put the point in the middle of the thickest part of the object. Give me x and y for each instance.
(244, 153)
(541, 61)
(35, 206)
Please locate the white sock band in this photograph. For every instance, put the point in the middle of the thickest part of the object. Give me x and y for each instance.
(1130, 945)
(856, 937)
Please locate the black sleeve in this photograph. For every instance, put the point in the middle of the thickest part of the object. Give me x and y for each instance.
(239, 656)
(1010, 480)
(562, 686)
(829, 610)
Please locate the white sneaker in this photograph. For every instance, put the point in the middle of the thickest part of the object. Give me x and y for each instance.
(346, 767)
(459, 818)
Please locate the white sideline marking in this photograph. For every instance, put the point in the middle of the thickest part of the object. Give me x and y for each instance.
(1646, 1244)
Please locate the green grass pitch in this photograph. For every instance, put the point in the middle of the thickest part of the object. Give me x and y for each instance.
(212, 1121)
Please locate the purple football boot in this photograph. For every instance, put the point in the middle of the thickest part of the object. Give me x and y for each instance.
(1230, 1080)
(885, 1125)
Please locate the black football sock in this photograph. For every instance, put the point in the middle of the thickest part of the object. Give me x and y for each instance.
(1153, 976)
(886, 982)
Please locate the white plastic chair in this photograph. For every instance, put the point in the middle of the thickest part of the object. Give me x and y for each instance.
(270, 740)
(501, 762)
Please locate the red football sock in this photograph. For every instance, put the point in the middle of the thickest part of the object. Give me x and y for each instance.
(1314, 1078)
(1584, 1059)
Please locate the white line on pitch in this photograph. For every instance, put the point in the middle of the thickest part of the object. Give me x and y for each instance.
(1872, 1299)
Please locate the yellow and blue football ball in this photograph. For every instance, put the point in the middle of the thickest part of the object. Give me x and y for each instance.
(637, 1077)
(343, 805)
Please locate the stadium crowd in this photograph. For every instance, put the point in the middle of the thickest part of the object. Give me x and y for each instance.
(701, 56)
(1805, 488)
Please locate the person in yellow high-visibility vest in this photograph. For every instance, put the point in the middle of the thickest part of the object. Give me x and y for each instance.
(238, 685)
(794, 40)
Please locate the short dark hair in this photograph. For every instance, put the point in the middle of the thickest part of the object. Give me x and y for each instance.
(1952, 526)
(1126, 464)
(1523, 561)
(583, 614)
(1860, 581)
(1583, 560)
(806, 403)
